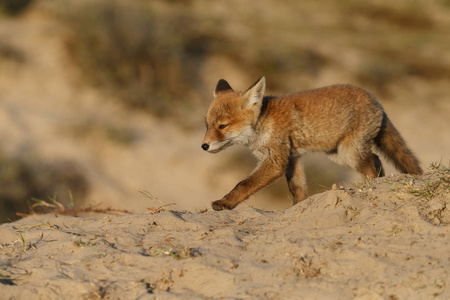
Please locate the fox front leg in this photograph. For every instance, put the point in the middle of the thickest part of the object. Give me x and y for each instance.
(222, 204)
(262, 176)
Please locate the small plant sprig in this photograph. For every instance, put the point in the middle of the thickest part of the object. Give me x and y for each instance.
(179, 252)
(22, 238)
(306, 267)
(53, 205)
(438, 166)
(429, 191)
(82, 244)
(395, 230)
(151, 197)
(364, 183)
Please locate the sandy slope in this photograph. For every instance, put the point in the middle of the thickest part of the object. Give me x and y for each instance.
(386, 239)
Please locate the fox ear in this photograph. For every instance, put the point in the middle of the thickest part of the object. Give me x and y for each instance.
(254, 95)
(222, 86)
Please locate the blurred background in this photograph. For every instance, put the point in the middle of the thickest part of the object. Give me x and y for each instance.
(102, 102)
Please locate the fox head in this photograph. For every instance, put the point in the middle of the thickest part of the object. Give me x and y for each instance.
(232, 115)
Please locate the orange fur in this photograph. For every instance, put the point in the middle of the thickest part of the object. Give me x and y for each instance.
(344, 121)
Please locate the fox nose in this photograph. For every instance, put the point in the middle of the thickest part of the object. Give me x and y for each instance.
(205, 147)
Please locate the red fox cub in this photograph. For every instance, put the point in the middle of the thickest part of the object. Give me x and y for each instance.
(344, 121)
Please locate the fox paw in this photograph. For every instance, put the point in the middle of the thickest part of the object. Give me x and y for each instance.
(221, 205)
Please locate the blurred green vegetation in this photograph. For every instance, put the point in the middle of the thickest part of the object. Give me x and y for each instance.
(150, 54)
(147, 57)
(14, 7)
(10, 53)
(24, 179)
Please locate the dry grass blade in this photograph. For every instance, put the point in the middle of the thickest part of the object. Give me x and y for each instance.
(57, 208)
(159, 209)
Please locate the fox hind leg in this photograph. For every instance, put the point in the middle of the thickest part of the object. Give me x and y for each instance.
(296, 179)
(356, 152)
(378, 165)
(359, 156)
(370, 165)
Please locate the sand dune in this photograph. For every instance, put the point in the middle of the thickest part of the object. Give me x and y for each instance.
(384, 239)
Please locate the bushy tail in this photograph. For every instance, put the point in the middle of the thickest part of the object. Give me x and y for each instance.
(390, 142)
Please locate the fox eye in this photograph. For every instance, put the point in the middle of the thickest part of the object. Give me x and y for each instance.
(222, 126)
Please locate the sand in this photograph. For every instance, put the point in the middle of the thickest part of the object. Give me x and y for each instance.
(387, 238)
